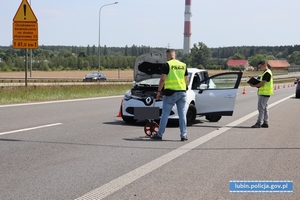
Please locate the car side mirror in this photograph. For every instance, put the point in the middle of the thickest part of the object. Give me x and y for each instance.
(202, 88)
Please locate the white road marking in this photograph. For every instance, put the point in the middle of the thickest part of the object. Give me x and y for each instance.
(59, 101)
(126, 179)
(28, 129)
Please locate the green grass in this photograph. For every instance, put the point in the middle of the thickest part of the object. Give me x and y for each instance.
(21, 94)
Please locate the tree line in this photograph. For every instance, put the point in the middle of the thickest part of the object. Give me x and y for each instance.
(56, 58)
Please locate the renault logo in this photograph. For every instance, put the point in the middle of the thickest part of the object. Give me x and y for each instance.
(148, 100)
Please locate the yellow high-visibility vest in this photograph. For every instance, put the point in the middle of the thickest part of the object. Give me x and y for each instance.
(267, 88)
(175, 80)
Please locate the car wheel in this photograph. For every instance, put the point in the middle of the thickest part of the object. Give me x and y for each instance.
(191, 115)
(127, 119)
(213, 118)
(297, 95)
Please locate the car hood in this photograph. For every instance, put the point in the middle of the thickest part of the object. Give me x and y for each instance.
(148, 66)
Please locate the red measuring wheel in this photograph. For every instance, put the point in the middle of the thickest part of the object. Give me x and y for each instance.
(150, 128)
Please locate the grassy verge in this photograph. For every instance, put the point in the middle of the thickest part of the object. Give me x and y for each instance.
(21, 94)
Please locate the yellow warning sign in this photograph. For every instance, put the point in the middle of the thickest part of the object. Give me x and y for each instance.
(25, 13)
(25, 31)
(25, 44)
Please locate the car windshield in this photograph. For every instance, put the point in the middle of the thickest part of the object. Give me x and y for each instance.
(93, 74)
(150, 82)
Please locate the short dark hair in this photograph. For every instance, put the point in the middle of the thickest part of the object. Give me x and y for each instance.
(170, 51)
(262, 62)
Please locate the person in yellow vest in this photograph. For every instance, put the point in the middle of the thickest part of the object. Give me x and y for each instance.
(265, 90)
(174, 79)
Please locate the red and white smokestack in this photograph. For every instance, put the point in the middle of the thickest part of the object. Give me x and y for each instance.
(187, 27)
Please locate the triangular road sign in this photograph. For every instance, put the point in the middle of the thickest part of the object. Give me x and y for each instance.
(25, 13)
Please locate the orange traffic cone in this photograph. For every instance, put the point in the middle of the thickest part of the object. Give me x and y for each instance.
(244, 90)
(278, 87)
(120, 111)
(275, 87)
(284, 86)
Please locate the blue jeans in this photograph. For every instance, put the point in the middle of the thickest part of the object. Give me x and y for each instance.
(178, 98)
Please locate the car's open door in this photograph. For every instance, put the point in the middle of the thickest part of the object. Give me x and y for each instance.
(217, 94)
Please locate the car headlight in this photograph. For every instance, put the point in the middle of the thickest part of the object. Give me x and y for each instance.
(127, 95)
(94, 77)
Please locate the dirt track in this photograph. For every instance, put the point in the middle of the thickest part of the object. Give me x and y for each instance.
(115, 74)
(110, 74)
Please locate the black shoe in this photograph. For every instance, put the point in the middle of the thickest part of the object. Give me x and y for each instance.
(156, 137)
(256, 126)
(265, 125)
(184, 139)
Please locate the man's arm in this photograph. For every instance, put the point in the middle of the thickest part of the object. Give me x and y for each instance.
(161, 82)
(263, 82)
(186, 81)
(161, 85)
(265, 78)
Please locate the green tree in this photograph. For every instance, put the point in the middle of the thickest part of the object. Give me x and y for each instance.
(43, 66)
(254, 60)
(126, 51)
(88, 50)
(238, 56)
(82, 54)
(65, 53)
(187, 59)
(134, 50)
(201, 55)
(105, 53)
(94, 52)
(294, 58)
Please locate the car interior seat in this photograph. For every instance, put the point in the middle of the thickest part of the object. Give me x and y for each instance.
(196, 82)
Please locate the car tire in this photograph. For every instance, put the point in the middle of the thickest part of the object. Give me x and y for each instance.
(297, 95)
(213, 118)
(191, 115)
(127, 119)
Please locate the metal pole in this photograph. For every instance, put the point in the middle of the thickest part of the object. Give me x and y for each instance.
(30, 56)
(26, 65)
(99, 34)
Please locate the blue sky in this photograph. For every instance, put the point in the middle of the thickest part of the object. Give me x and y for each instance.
(159, 23)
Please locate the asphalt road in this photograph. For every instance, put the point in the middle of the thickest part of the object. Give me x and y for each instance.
(79, 149)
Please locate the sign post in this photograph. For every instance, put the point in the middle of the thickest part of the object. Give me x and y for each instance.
(25, 31)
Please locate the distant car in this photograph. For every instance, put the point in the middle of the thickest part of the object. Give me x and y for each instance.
(297, 92)
(212, 97)
(94, 76)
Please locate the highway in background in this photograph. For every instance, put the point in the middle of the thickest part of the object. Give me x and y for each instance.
(79, 149)
(75, 81)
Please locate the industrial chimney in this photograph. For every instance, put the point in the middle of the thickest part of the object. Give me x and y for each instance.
(187, 27)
